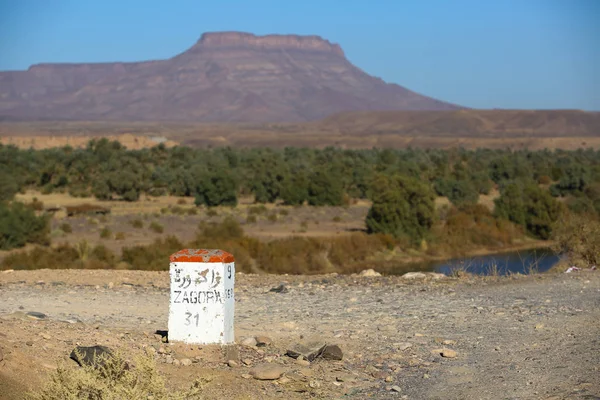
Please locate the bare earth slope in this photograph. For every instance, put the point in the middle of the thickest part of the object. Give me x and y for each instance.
(530, 337)
(532, 129)
(225, 76)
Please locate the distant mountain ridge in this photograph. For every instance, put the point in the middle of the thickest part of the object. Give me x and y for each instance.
(224, 77)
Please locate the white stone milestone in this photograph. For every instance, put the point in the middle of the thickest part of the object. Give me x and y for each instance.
(202, 299)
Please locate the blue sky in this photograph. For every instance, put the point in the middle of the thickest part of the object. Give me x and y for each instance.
(477, 53)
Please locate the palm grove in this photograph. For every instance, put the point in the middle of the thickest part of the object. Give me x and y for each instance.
(535, 186)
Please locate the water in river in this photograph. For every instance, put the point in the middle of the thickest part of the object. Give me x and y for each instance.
(524, 262)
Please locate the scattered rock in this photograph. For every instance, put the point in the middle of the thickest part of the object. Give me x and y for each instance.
(169, 359)
(436, 276)
(389, 378)
(539, 327)
(449, 342)
(45, 336)
(247, 361)
(331, 352)
(232, 363)
(279, 289)
(176, 362)
(312, 352)
(186, 362)
(369, 273)
(396, 389)
(446, 353)
(267, 372)
(262, 341)
(414, 275)
(302, 362)
(246, 376)
(249, 341)
(36, 315)
(404, 345)
(91, 356)
(284, 380)
(29, 343)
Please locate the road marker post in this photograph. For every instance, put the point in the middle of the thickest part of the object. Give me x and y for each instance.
(202, 300)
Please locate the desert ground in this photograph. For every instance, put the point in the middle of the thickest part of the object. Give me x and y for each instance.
(519, 337)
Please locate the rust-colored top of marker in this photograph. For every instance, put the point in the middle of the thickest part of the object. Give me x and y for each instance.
(202, 255)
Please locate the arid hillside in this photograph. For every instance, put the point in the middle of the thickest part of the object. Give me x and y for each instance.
(565, 129)
(224, 77)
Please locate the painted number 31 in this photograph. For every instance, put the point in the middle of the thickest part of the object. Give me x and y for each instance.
(191, 318)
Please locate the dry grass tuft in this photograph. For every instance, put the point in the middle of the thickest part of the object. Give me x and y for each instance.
(114, 378)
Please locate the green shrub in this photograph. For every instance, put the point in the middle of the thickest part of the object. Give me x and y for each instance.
(337, 218)
(402, 207)
(528, 205)
(120, 236)
(578, 237)
(257, 210)
(156, 227)
(105, 233)
(153, 257)
(136, 223)
(19, 225)
(66, 227)
(192, 211)
(272, 217)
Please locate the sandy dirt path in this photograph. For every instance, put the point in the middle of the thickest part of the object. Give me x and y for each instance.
(514, 338)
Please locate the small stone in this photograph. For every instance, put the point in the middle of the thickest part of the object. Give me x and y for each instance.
(262, 341)
(232, 363)
(284, 380)
(176, 362)
(87, 356)
(379, 374)
(29, 343)
(267, 372)
(396, 388)
(448, 353)
(419, 335)
(279, 289)
(449, 342)
(169, 359)
(45, 336)
(303, 363)
(247, 361)
(389, 378)
(186, 362)
(314, 384)
(414, 275)
(404, 345)
(369, 273)
(162, 350)
(436, 276)
(36, 315)
(246, 376)
(425, 376)
(249, 341)
(539, 327)
(331, 352)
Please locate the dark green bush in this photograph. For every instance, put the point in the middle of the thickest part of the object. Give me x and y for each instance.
(19, 225)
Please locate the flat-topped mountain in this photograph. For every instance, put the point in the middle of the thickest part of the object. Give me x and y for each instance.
(224, 77)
